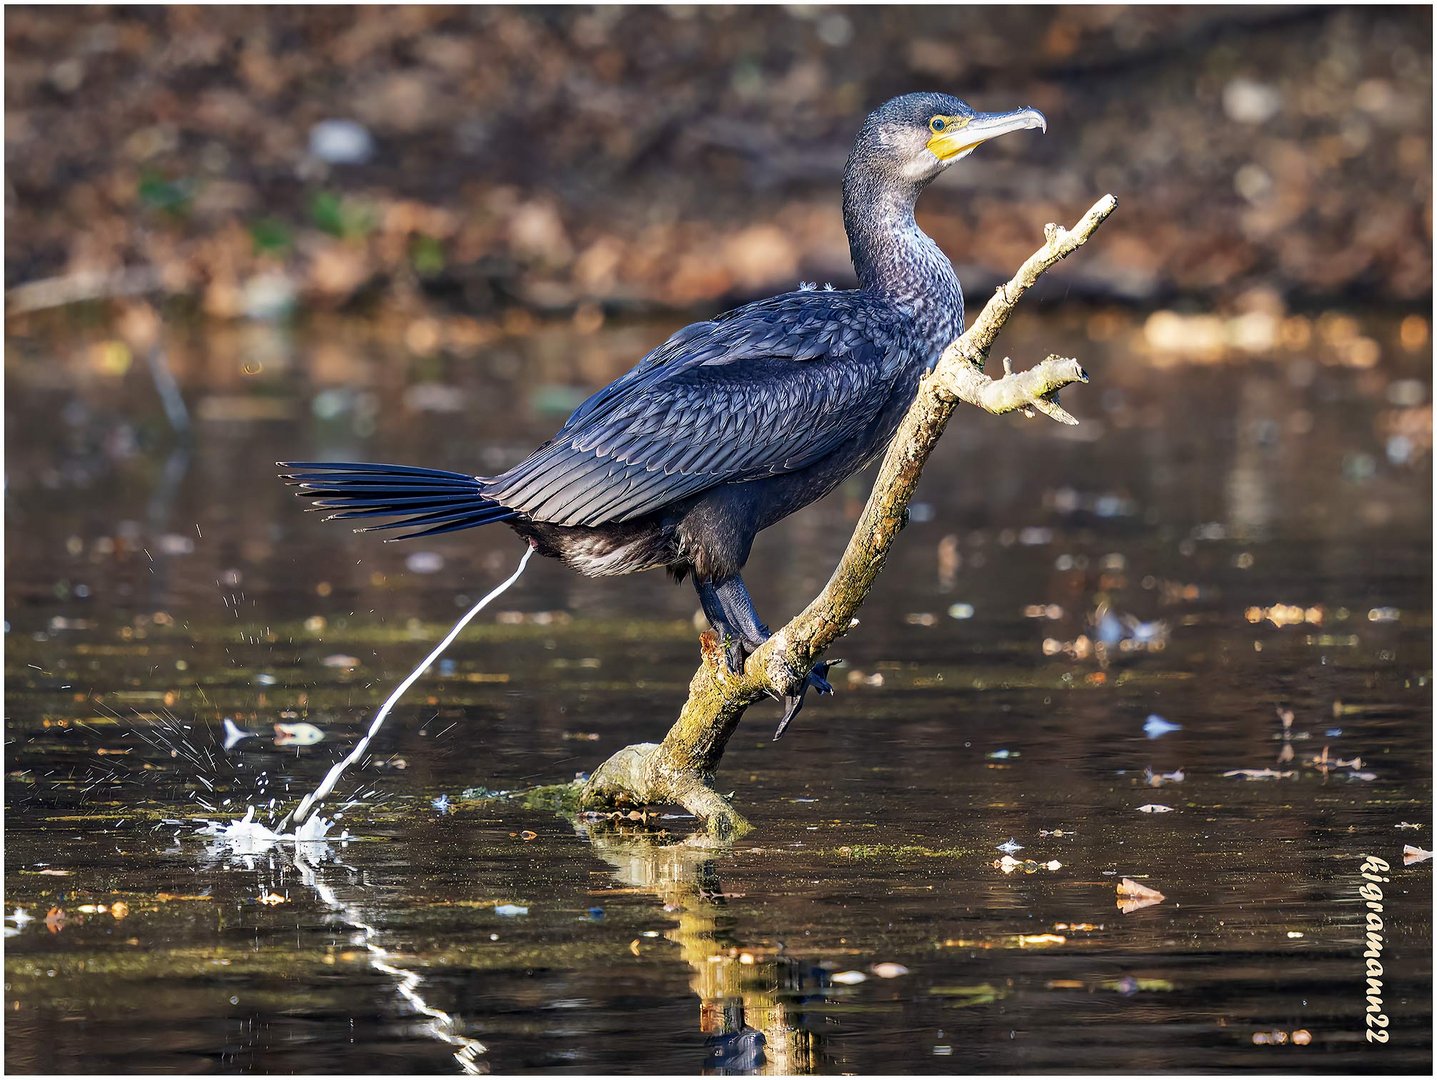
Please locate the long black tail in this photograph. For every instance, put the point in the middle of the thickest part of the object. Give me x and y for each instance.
(428, 500)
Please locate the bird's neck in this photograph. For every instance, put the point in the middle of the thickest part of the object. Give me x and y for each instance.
(896, 259)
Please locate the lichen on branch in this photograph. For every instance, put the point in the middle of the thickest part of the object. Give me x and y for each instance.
(681, 768)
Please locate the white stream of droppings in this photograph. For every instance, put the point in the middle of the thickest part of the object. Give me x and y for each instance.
(327, 784)
(248, 839)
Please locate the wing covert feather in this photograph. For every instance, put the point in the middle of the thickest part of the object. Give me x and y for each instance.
(768, 389)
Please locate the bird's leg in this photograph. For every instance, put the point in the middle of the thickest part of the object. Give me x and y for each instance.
(731, 612)
(733, 645)
(738, 611)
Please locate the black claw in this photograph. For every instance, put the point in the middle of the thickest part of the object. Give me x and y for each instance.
(793, 703)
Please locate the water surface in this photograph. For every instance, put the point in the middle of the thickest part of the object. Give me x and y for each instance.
(1273, 514)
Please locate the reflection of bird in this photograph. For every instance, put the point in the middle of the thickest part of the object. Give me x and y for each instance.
(734, 423)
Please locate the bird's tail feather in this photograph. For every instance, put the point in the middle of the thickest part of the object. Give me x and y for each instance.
(430, 501)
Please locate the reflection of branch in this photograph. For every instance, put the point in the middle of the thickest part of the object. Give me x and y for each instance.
(743, 999)
(681, 768)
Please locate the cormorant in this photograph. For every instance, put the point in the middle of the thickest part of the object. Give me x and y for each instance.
(734, 423)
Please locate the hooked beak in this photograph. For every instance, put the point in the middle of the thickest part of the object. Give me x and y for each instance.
(960, 139)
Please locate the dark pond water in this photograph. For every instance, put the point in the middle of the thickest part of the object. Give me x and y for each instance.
(1273, 514)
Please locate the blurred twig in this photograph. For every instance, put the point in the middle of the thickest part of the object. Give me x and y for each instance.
(76, 288)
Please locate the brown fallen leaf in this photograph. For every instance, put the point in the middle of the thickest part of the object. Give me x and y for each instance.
(1133, 896)
(55, 919)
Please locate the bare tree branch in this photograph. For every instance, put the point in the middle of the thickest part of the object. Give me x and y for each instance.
(681, 768)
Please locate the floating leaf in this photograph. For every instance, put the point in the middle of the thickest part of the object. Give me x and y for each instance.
(1260, 774)
(1008, 864)
(297, 734)
(1157, 726)
(1133, 896)
(509, 911)
(848, 978)
(889, 970)
(1154, 808)
(1412, 854)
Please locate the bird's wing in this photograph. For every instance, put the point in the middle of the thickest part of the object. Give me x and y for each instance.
(767, 389)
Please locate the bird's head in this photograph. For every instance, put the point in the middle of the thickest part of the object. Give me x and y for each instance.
(916, 136)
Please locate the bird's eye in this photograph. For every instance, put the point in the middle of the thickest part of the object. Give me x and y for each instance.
(937, 123)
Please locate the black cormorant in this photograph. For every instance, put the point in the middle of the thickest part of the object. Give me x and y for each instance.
(734, 423)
